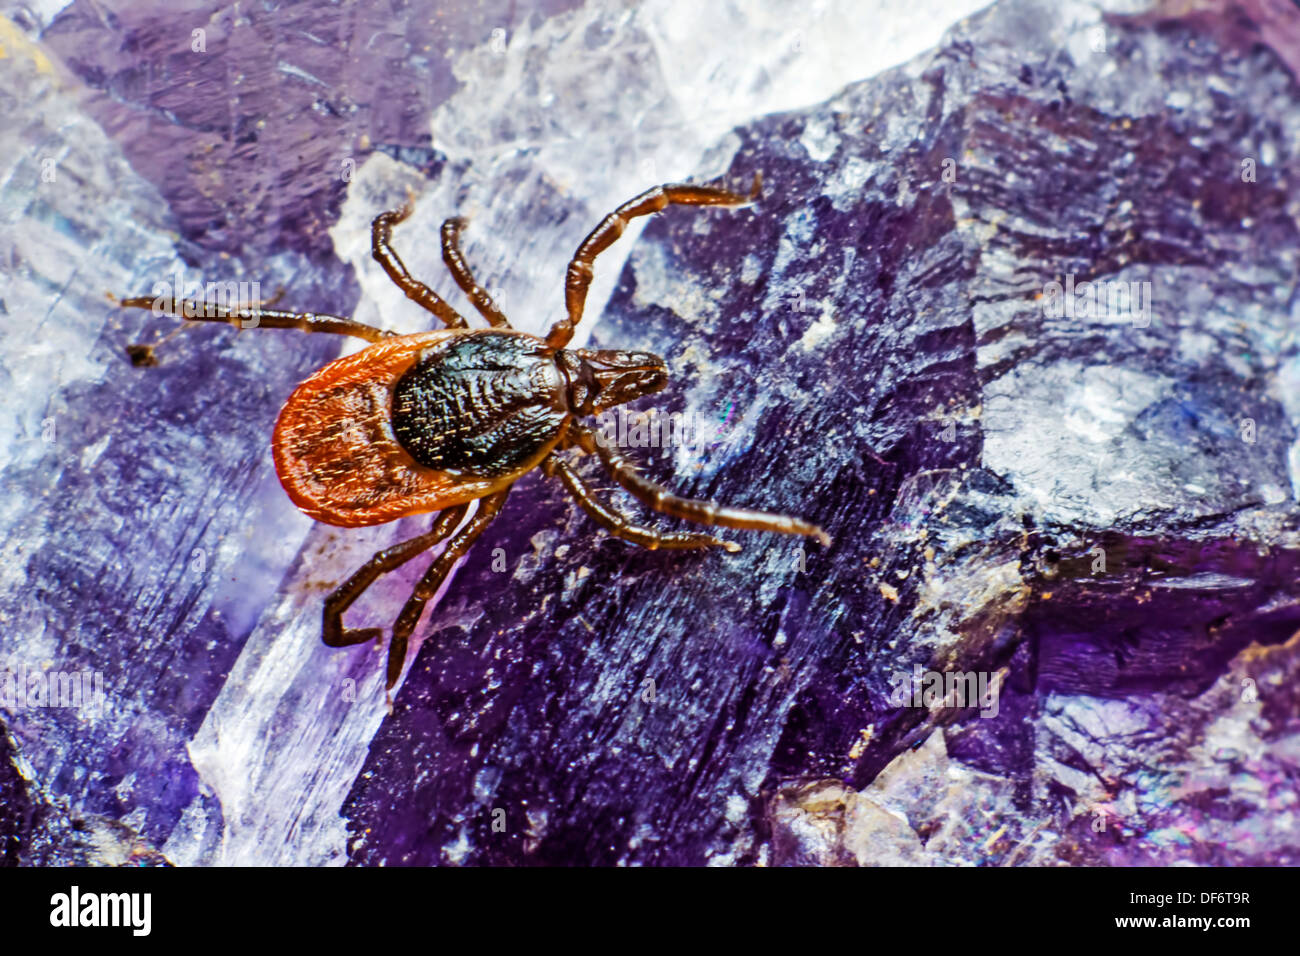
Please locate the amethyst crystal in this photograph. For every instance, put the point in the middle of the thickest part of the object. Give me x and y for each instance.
(1013, 321)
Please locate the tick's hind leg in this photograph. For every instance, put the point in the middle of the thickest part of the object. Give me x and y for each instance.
(251, 317)
(702, 512)
(459, 270)
(578, 278)
(332, 632)
(488, 509)
(619, 524)
(381, 234)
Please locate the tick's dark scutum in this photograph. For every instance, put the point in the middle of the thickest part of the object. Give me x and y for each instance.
(484, 406)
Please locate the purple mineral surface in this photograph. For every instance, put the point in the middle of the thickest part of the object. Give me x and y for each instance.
(1014, 321)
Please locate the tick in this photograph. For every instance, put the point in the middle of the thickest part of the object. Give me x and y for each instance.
(435, 421)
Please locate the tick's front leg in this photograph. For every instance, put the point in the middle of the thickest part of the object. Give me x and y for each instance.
(661, 499)
(619, 524)
(581, 267)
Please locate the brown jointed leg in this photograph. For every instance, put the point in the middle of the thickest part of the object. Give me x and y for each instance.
(333, 632)
(381, 234)
(460, 271)
(257, 317)
(660, 499)
(619, 524)
(578, 278)
(488, 509)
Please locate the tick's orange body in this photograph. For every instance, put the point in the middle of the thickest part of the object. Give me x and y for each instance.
(338, 456)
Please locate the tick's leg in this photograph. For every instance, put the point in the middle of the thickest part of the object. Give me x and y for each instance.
(578, 277)
(459, 269)
(381, 234)
(619, 524)
(333, 632)
(702, 512)
(257, 317)
(488, 509)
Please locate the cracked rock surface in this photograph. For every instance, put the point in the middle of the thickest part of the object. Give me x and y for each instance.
(1013, 321)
